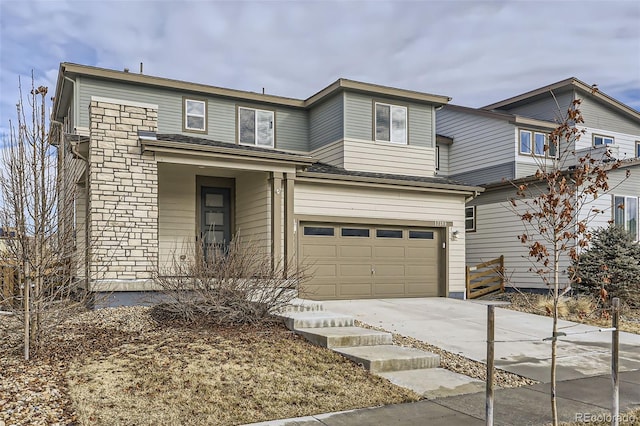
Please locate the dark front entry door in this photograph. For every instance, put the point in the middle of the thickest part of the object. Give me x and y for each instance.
(215, 219)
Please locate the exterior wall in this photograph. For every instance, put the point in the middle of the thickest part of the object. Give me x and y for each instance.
(332, 154)
(444, 160)
(599, 116)
(624, 143)
(481, 144)
(123, 195)
(546, 107)
(358, 119)
(176, 211)
(385, 157)
(253, 207)
(326, 122)
(375, 203)
(496, 234)
(291, 124)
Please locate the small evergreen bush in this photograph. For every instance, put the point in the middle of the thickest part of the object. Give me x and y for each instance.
(612, 263)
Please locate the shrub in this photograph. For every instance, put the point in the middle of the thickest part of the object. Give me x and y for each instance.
(237, 284)
(612, 263)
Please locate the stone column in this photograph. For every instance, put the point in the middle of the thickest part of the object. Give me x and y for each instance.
(123, 196)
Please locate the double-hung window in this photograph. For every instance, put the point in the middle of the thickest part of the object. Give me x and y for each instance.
(533, 143)
(195, 115)
(625, 214)
(470, 218)
(255, 127)
(599, 140)
(390, 123)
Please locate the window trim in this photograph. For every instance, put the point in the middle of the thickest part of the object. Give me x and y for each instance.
(603, 137)
(256, 110)
(473, 218)
(185, 116)
(532, 144)
(637, 212)
(375, 122)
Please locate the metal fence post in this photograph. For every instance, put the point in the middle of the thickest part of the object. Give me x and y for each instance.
(490, 355)
(615, 342)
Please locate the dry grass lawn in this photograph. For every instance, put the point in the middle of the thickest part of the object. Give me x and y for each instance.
(124, 369)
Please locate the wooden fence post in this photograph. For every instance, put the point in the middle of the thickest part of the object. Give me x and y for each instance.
(490, 356)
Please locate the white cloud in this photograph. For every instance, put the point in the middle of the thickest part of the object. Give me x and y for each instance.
(475, 52)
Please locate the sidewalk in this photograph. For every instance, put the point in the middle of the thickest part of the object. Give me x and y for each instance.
(528, 405)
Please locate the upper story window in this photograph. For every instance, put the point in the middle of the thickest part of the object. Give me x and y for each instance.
(391, 123)
(195, 115)
(599, 140)
(533, 143)
(255, 127)
(625, 214)
(470, 219)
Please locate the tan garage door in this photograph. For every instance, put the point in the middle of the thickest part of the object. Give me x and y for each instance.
(369, 261)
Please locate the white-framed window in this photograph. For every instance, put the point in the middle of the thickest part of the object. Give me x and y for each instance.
(470, 219)
(390, 123)
(437, 157)
(533, 143)
(637, 149)
(195, 115)
(599, 140)
(625, 214)
(255, 127)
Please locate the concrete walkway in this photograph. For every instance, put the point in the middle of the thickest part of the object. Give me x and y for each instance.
(583, 399)
(460, 327)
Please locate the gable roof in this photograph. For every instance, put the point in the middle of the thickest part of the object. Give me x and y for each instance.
(564, 85)
(516, 119)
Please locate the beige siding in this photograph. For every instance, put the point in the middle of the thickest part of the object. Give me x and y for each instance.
(332, 154)
(497, 231)
(383, 157)
(176, 210)
(253, 218)
(375, 203)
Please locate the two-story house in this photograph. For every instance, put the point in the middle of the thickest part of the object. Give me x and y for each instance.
(503, 142)
(345, 180)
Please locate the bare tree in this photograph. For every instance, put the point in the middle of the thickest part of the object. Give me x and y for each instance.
(28, 209)
(556, 207)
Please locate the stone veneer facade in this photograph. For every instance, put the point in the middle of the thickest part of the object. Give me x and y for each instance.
(123, 196)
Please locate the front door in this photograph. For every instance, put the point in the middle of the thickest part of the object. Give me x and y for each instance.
(215, 220)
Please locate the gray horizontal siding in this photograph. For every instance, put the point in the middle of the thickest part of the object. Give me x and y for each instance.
(545, 108)
(485, 175)
(599, 116)
(291, 123)
(358, 117)
(326, 122)
(479, 144)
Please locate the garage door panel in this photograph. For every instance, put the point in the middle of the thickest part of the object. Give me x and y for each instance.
(325, 270)
(390, 252)
(344, 263)
(355, 290)
(348, 251)
(355, 270)
(320, 251)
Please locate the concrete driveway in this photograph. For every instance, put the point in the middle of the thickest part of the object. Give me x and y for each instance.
(460, 327)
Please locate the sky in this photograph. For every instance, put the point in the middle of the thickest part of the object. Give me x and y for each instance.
(476, 52)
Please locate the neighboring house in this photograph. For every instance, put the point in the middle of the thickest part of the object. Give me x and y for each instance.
(345, 180)
(502, 142)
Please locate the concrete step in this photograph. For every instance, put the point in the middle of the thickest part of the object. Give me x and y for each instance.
(434, 383)
(315, 319)
(339, 337)
(382, 358)
(302, 305)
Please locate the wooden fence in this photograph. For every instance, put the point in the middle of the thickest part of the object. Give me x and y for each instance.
(485, 278)
(9, 282)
